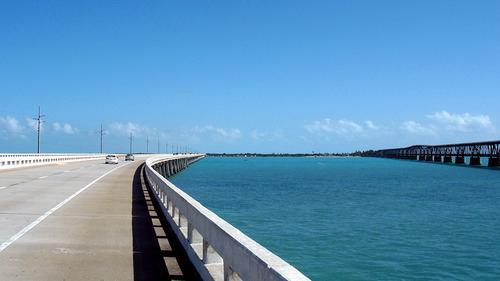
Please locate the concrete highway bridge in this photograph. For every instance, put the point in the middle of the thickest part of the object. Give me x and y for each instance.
(72, 217)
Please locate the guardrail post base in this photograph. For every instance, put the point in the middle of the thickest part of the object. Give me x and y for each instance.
(230, 275)
(213, 261)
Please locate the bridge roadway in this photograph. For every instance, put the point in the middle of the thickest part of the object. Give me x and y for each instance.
(84, 221)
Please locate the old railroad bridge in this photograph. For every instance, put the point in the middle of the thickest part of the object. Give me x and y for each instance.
(461, 153)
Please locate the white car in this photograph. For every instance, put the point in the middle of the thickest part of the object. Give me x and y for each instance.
(111, 159)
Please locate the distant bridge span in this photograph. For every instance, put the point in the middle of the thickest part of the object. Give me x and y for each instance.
(447, 153)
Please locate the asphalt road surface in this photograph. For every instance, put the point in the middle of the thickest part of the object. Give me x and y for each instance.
(84, 221)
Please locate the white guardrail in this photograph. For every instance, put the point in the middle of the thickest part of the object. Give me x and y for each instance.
(218, 250)
(19, 160)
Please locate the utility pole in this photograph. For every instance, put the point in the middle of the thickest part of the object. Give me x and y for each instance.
(39, 120)
(166, 147)
(130, 139)
(102, 133)
(158, 144)
(147, 144)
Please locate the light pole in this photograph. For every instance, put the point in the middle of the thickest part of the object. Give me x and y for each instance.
(130, 139)
(39, 120)
(102, 133)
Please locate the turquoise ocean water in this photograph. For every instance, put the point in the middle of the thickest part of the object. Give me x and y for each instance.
(359, 218)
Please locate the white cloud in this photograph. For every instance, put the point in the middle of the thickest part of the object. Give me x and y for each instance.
(417, 128)
(66, 128)
(328, 126)
(266, 136)
(33, 124)
(462, 122)
(56, 126)
(130, 128)
(442, 124)
(218, 133)
(370, 125)
(11, 125)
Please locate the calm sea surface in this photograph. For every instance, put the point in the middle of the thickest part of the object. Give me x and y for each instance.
(359, 218)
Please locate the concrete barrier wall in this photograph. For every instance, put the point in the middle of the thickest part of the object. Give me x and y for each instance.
(11, 161)
(218, 250)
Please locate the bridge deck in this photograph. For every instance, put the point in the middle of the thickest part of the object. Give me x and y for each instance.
(109, 231)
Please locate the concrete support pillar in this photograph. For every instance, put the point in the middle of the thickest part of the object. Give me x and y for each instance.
(175, 215)
(193, 235)
(421, 157)
(170, 208)
(163, 170)
(460, 159)
(195, 240)
(160, 195)
(183, 225)
(209, 254)
(183, 222)
(437, 158)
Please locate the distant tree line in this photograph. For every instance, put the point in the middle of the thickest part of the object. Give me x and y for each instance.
(356, 153)
(363, 153)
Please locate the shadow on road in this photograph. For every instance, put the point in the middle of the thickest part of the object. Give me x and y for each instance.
(157, 253)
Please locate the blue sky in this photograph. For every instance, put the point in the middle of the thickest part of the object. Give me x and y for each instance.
(257, 76)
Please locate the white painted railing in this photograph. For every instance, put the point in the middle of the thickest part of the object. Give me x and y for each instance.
(18, 160)
(218, 250)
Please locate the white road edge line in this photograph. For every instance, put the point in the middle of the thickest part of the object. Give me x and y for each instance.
(49, 212)
(42, 177)
(3, 187)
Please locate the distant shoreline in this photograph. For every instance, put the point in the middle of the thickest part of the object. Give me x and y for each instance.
(332, 155)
